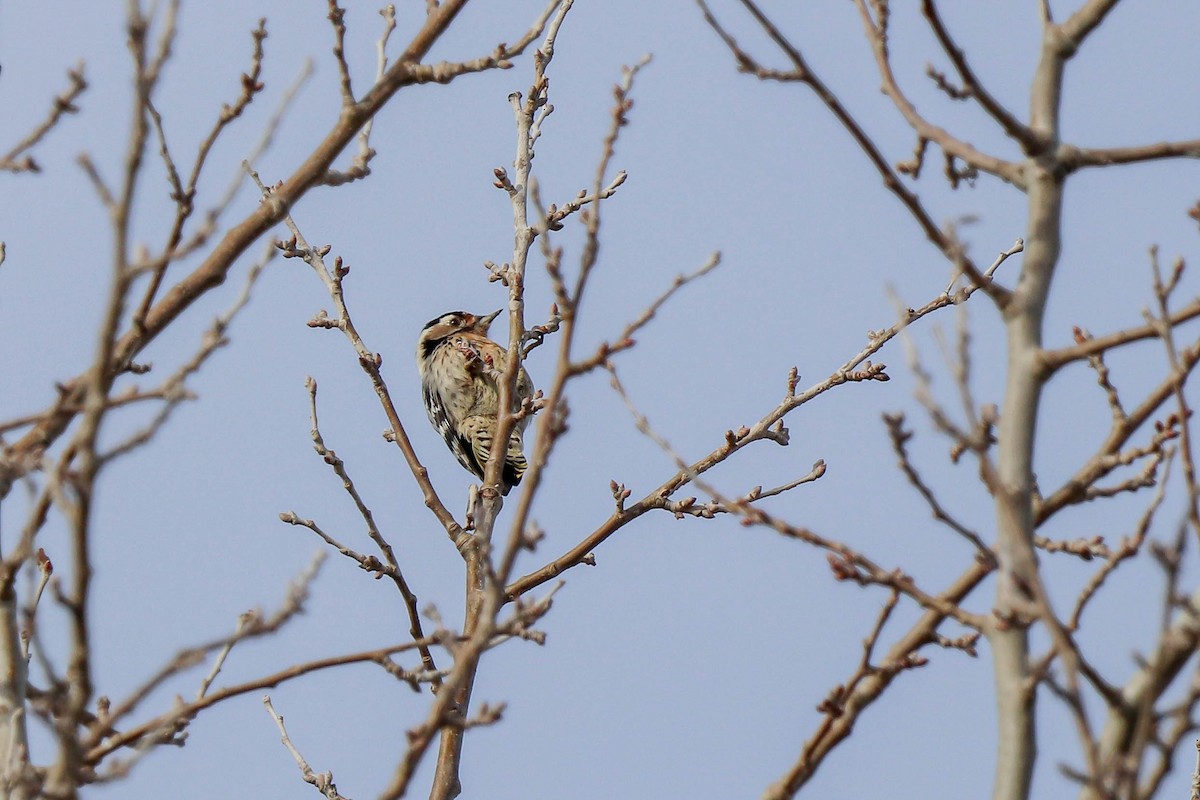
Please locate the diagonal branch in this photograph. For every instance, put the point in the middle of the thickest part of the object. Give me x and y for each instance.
(370, 361)
(392, 568)
(802, 73)
(1004, 118)
(877, 35)
(64, 103)
(770, 426)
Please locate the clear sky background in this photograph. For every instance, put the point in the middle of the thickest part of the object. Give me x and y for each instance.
(689, 661)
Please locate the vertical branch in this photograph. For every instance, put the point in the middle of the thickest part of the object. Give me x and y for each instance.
(64, 776)
(1195, 795)
(1018, 583)
(485, 594)
(14, 744)
(551, 422)
(1020, 595)
(1018, 589)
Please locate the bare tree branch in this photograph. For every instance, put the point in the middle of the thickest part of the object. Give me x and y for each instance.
(802, 73)
(17, 159)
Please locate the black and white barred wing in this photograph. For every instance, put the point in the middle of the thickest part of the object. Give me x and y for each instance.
(442, 422)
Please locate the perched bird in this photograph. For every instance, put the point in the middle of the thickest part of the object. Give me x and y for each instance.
(460, 367)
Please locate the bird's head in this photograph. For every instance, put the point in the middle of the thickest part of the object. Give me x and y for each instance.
(450, 323)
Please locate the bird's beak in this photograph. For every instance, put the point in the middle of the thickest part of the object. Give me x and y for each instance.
(483, 323)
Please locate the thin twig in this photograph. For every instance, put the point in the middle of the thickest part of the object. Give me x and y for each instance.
(324, 781)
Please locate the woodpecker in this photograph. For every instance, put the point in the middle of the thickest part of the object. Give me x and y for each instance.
(460, 367)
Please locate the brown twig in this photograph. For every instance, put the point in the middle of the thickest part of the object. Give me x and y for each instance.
(184, 196)
(392, 568)
(370, 361)
(899, 436)
(324, 781)
(17, 159)
(802, 73)
(1128, 548)
(252, 625)
(166, 725)
(972, 86)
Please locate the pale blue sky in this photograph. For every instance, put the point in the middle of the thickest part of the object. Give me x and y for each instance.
(689, 662)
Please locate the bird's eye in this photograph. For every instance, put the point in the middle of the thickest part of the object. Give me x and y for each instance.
(452, 321)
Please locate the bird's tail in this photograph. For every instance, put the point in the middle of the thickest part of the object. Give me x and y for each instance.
(514, 457)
